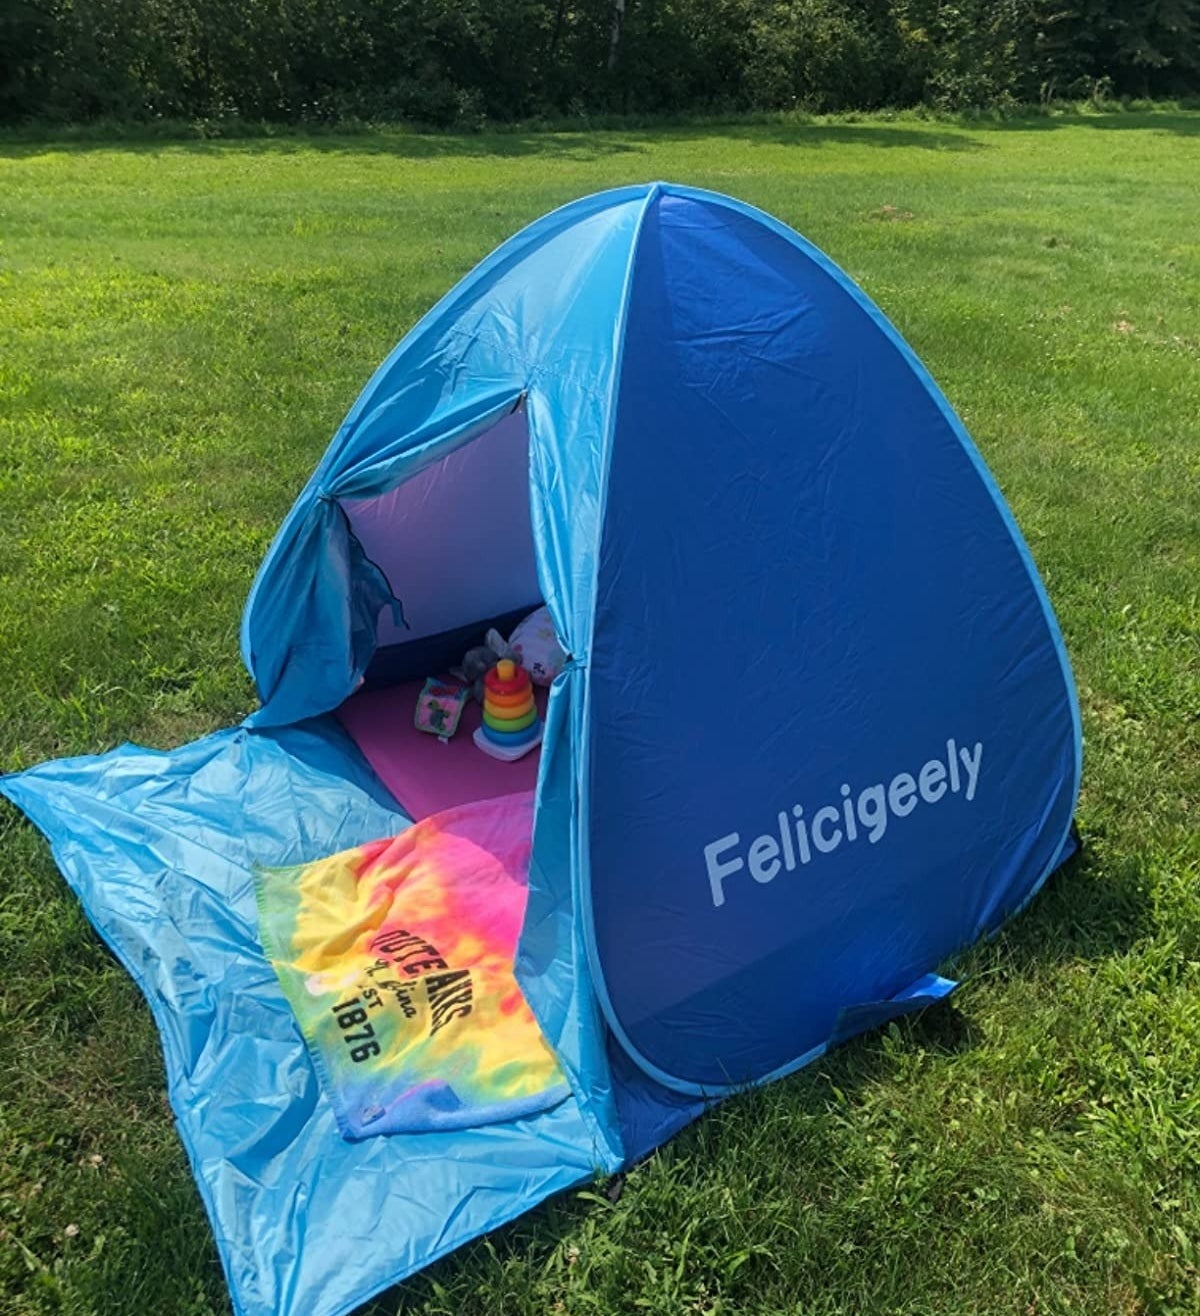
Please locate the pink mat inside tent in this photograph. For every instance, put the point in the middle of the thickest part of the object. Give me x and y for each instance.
(424, 773)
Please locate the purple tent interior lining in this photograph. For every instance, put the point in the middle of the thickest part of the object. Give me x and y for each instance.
(456, 540)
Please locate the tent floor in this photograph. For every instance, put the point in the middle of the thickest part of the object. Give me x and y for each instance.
(426, 774)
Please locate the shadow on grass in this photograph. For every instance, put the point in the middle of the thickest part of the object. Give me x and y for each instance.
(838, 134)
(399, 143)
(1088, 911)
(1178, 123)
(582, 144)
(568, 145)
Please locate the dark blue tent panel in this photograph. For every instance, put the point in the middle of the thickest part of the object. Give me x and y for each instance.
(833, 735)
(816, 730)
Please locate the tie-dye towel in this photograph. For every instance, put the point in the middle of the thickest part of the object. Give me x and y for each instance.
(397, 958)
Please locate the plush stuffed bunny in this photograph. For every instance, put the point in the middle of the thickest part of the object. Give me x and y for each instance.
(480, 660)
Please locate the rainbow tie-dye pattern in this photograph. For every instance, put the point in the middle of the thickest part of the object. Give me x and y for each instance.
(397, 958)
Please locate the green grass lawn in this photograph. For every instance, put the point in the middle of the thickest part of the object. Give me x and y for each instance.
(181, 329)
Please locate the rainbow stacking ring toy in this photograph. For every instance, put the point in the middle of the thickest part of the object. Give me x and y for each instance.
(511, 726)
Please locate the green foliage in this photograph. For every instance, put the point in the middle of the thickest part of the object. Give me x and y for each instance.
(184, 324)
(460, 62)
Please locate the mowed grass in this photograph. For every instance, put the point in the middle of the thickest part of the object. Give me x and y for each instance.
(181, 329)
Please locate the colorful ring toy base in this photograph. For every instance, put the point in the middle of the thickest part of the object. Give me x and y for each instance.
(511, 737)
(507, 753)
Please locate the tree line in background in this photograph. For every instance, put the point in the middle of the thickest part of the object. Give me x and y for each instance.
(459, 62)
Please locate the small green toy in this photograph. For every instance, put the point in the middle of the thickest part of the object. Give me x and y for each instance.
(439, 707)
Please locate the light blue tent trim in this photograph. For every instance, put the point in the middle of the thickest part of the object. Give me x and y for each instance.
(573, 685)
(443, 434)
(480, 277)
(424, 377)
(928, 990)
(562, 472)
(577, 1037)
(916, 994)
(564, 482)
(483, 274)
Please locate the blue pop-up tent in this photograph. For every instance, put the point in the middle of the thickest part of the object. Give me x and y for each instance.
(815, 733)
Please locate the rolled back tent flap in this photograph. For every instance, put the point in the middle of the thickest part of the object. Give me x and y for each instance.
(815, 733)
